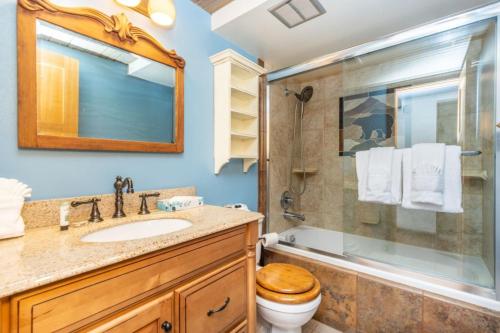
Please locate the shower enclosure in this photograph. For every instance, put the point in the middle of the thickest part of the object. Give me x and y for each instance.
(436, 83)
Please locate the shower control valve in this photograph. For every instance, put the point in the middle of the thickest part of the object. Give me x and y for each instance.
(286, 200)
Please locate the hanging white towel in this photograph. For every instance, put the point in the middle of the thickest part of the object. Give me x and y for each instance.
(428, 161)
(452, 187)
(362, 158)
(379, 175)
(379, 171)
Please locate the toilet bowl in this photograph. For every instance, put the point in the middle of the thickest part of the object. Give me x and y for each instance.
(287, 297)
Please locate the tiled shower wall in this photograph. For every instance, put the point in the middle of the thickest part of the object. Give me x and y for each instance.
(322, 201)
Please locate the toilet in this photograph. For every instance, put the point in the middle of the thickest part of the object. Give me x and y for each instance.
(287, 296)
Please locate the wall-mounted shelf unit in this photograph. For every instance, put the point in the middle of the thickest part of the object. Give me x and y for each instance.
(236, 109)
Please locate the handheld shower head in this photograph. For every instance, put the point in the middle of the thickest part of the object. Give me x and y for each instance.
(304, 96)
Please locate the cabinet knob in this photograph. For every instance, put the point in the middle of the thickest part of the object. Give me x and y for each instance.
(166, 326)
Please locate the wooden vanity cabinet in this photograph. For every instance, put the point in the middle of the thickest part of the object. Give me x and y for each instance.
(203, 286)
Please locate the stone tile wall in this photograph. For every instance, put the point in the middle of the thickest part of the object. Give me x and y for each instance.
(355, 302)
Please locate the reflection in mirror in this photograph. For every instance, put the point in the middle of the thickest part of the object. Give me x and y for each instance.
(86, 88)
(428, 113)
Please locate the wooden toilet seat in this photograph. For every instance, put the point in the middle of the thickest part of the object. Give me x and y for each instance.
(287, 284)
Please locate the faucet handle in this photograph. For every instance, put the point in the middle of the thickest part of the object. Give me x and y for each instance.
(95, 215)
(144, 205)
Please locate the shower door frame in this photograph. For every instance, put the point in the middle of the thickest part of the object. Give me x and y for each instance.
(441, 25)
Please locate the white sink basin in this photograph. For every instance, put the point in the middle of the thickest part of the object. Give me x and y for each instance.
(136, 230)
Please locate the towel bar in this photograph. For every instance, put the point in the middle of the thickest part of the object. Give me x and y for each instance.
(471, 152)
(464, 153)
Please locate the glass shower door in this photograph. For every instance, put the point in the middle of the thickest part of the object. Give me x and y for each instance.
(437, 89)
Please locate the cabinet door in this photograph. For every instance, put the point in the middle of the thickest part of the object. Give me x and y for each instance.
(152, 317)
(215, 303)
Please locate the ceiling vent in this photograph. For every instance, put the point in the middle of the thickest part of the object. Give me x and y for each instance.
(295, 12)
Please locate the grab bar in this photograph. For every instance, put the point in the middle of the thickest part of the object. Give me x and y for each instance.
(464, 153)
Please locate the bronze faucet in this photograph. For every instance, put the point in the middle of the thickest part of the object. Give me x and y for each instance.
(144, 204)
(95, 215)
(119, 185)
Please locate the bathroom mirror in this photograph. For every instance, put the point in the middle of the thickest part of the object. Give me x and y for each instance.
(92, 82)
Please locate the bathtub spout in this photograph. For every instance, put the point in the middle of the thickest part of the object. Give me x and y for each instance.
(294, 216)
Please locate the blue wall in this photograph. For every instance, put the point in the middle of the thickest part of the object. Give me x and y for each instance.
(115, 105)
(69, 173)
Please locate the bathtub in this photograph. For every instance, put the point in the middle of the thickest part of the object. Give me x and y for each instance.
(417, 267)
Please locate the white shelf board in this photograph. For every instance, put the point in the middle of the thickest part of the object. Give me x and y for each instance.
(243, 93)
(243, 135)
(243, 115)
(243, 156)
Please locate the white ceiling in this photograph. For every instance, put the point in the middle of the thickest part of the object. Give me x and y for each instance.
(346, 23)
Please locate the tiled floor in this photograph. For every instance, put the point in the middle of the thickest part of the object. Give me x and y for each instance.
(311, 327)
(316, 327)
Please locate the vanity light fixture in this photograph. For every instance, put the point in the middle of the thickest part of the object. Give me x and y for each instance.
(129, 3)
(162, 12)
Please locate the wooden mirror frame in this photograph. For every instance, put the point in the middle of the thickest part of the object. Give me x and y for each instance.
(115, 30)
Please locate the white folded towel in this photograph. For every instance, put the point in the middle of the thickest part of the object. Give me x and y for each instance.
(12, 196)
(11, 230)
(428, 163)
(452, 184)
(379, 175)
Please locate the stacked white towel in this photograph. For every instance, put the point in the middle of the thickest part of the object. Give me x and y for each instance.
(12, 195)
(379, 175)
(433, 189)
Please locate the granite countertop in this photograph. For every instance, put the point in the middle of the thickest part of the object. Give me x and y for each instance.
(46, 254)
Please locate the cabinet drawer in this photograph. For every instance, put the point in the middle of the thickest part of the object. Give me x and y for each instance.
(215, 303)
(146, 318)
(81, 301)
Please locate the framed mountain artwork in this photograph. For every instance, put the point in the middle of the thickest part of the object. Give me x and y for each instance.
(366, 121)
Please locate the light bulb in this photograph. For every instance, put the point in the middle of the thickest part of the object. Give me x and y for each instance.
(129, 3)
(162, 12)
